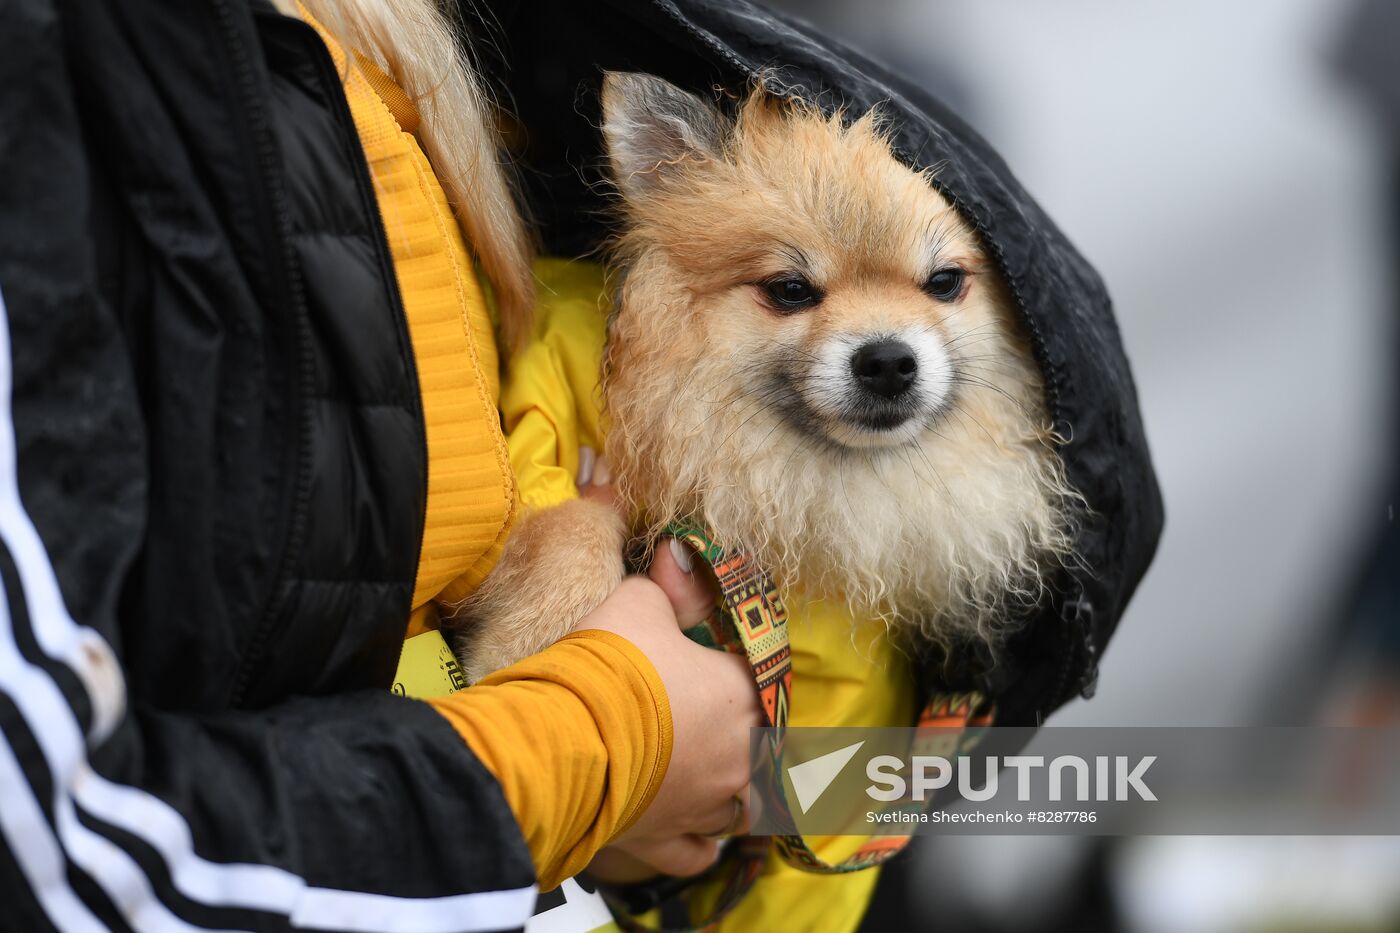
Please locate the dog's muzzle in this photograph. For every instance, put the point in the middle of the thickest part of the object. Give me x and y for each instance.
(874, 389)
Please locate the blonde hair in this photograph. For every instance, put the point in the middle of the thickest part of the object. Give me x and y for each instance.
(418, 45)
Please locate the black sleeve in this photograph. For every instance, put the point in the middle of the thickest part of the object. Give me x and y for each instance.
(361, 811)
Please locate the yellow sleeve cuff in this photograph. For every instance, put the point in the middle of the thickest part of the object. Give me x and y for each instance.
(579, 737)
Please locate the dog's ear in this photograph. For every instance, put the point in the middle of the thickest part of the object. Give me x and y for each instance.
(650, 125)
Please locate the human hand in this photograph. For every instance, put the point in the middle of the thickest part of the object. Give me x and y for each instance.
(713, 706)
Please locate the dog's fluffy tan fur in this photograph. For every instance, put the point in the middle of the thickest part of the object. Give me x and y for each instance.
(948, 531)
(718, 403)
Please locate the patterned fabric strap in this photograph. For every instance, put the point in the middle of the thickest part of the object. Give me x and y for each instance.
(751, 620)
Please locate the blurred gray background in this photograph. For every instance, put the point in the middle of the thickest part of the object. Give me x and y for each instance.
(1236, 192)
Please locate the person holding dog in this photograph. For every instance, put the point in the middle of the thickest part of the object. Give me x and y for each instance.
(260, 264)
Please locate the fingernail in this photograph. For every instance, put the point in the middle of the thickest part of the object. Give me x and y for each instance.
(601, 474)
(685, 559)
(586, 456)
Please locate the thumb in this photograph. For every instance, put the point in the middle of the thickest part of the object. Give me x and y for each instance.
(687, 581)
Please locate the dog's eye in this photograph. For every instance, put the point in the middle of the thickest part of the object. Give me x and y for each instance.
(946, 284)
(791, 293)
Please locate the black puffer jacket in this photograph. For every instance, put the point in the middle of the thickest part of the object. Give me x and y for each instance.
(218, 458)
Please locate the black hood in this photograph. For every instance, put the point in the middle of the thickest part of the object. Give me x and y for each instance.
(548, 58)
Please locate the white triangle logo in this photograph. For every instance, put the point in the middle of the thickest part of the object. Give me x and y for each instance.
(811, 778)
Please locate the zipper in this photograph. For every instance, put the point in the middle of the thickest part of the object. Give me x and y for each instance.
(275, 222)
(719, 48)
(1078, 616)
(364, 185)
(269, 165)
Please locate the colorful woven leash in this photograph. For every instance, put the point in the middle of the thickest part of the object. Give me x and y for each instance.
(751, 620)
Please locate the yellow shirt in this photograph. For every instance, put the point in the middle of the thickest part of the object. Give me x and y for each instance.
(579, 736)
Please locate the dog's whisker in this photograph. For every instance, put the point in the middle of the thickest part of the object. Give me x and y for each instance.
(979, 331)
(992, 362)
(962, 378)
(767, 406)
(964, 416)
(937, 475)
(844, 489)
(806, 355)
(735, 397)
(954, 312)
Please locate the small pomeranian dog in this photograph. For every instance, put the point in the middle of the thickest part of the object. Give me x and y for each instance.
(812, 356)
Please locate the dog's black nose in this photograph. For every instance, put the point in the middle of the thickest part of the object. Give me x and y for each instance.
(885, 367)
